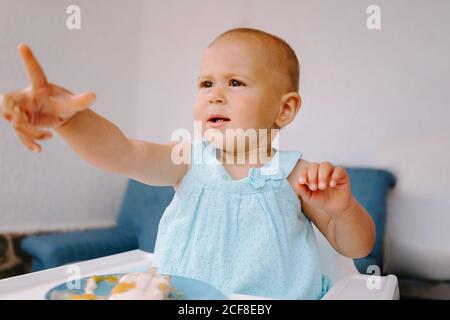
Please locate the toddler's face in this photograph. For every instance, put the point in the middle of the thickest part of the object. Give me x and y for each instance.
(235, 88)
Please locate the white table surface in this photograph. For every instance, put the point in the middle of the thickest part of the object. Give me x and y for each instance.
(34, 286)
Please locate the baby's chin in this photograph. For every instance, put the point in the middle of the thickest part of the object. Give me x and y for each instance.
(232, 145)
(230, 139)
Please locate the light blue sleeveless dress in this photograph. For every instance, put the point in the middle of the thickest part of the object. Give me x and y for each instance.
(245, 236)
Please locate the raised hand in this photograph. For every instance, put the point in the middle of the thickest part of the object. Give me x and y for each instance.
(40, 105)
(324, 186)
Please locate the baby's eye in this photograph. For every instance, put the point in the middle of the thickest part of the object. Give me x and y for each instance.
(236, 83)
(205, 84)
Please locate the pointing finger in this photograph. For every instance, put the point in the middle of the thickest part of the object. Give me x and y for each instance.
(36, 75)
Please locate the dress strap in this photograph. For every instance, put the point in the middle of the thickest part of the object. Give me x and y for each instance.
(205, 166)
(197, 152)
(288, 160)
(203, 152)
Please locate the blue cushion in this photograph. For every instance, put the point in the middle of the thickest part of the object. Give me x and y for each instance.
(370, 187)
(143, 206)
(141, 210)
(56, 249)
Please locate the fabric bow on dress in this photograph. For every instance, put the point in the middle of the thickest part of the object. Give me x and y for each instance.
(258, 179)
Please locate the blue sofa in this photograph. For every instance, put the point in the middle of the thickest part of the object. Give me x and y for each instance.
(143, 205)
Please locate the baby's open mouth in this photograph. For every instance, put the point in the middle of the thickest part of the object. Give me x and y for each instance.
(217, 119)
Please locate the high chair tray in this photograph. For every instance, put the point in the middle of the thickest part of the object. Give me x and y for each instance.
(35, 285)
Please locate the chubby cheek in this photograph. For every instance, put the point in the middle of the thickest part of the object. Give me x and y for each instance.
(199, 110)
(197, 113)
(258, 110)
(254, 116)
(246, 118)
(244, 111)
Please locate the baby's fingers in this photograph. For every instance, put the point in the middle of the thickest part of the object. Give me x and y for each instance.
(339, 177)
(303, 176)
(313, 169)
(28, 130)
(325, 170)
(84, 100)
(9, 104)
(35, 73)
(68, 105)
(29, 143)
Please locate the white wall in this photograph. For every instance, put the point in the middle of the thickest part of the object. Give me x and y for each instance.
(56, 189)
(370, 98)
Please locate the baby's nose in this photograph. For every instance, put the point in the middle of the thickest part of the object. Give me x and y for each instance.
(216, 99)
(216, 96)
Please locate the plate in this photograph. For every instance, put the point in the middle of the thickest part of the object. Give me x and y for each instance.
(185, 288)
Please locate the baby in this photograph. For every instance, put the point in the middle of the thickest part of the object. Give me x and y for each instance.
(244, 227)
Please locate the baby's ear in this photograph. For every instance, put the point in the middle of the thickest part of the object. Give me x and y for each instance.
(289, 105)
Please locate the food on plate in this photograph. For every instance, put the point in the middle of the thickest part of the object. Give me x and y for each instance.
(142, 286)
(130, 286)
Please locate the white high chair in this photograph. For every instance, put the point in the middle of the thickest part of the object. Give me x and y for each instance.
(347, 282)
